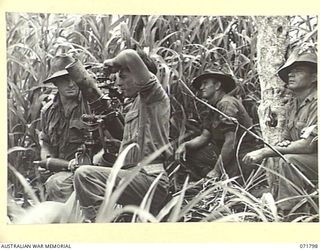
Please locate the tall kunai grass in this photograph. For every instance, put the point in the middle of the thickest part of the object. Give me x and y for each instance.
(182, 46)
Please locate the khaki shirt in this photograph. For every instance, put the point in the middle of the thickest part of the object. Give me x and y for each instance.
(147, 123)
(303, 116)
(63, 134)
(217, 125)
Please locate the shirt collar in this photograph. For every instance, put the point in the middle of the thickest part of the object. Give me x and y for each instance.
(58, 105)
(312, 96)
(214, 102)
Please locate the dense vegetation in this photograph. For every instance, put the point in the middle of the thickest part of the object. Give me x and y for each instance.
(182, 46)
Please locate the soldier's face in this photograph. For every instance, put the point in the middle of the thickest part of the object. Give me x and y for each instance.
(126, 84)
(67, 87)
(207, 88)
(301, 77)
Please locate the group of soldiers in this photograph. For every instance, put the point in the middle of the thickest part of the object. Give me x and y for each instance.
(147, 125)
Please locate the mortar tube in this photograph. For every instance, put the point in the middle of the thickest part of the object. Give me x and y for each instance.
(85, 81)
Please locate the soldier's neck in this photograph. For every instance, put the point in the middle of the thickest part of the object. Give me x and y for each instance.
(216, 97)
(68, 104)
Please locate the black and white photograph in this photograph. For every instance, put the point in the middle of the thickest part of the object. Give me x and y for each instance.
(116, 118)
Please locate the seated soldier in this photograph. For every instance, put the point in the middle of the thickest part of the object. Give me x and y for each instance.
(147, 125)
(197, 162)
(62, 130)
(221, 132)
(300, 146)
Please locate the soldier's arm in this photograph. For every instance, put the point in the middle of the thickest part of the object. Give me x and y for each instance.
(228, 147)
(302, 146)
(96, 100)
(85, 82)
(199, 141)
(44, 138)
(194, 143)
(130, 60)
(44, 151)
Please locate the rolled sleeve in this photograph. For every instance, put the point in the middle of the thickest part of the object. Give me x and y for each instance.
(311, 131)
(44, 124)
(229, 108)
(143, 86)
(152, 91)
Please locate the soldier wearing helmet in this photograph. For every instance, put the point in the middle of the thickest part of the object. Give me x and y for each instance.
(300, 147)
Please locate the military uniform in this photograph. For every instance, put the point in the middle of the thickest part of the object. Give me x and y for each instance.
(302, 123)
(147, 124)
(218, 125)
(62, 130)
(63, 134)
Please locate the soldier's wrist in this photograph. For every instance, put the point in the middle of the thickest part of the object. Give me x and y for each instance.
(184, 145)
(266, 152)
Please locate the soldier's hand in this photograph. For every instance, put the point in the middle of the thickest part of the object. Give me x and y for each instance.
(73, 165)
(284, 143)
(213, 174)
(254, 157)
(110, 67)
(181, 152)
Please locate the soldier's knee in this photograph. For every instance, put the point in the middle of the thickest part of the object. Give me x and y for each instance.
(81, 174)
(51, 180)
(291, 157)
(57, 180)
(284, 164)
(51, 185)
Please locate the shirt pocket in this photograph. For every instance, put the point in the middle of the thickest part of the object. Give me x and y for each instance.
(296, 128)
(132, 125)
(300, 125)
(77, 130)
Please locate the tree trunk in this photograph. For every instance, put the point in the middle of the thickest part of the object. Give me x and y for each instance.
(272, 42)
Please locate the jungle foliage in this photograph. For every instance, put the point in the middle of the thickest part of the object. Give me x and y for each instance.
(183, 47)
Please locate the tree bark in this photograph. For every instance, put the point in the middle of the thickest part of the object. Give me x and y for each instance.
(272, 42)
